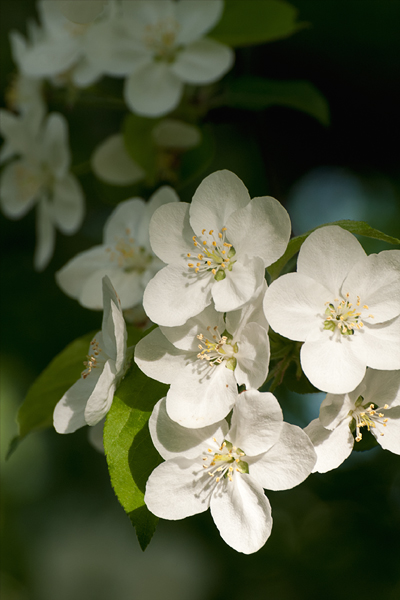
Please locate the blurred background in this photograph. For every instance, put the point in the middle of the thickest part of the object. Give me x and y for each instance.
(64, 534)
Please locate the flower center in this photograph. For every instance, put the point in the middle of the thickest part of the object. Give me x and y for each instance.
(225, 462)
(367, 415)
(160, 38)
(92, 358)
(344, 316)
(215, 254)
(128, 255)
(220, 348)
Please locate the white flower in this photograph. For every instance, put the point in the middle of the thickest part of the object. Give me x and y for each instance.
(216, 248)
(60, 49)
(112, 163)
(160, 46)
(344, 306)
(225, 469)
(206, 359)
(90, 398)
(81, 11)
(40, 176)
(374, 404)
(125, 256)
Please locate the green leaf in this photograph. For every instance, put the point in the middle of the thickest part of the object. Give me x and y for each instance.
(355, 227)
(140, 143)
(249, 22)
(257, 93)
(36, 412)
(131, 456)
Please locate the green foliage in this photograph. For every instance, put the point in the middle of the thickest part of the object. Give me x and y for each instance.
(257, 93)
(249, 22)
(355, 227)
(195, 161)
(130, 453)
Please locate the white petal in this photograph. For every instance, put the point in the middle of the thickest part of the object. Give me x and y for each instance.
(69, 204)
(100, 400)
(153, 90)
(170, 232)
(55, 144)
(376, 280)
(172, 440)
(253, 356)
(251, 409)
(262, 228)
(203, 61)
(294, 305)
(389, 437)
(178, 488)
(173, 296)
(128, 285)
(252, 312)
(327, 256)
(85, 73)
(14, 130)
(149, 11)
(184, 336)
(45, 234)
(51, 56)
(124, 220)
(201, 394)
(239, 285)
(216, 198)
(332, 362)
(332, 447)
(378, 345)
(335, 408)
(19, 189)
(95, 436)
(164, 195)
(196, 18)
(158, 358)
(81, 12)
(242, 513)
(73, 276)
(113, 326)
(287, 463)
(112, 163)
(382, 387)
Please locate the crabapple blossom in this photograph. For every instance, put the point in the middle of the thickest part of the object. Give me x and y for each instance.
(90, 398)
(225, 469)
(125, 255)
(206, 359)
(344, 306)
(40, 176)
(160, 46)
(374, 404)
(216, 249)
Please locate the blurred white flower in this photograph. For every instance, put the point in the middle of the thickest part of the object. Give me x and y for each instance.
(81, 11)
(40, 175)
(160, 46)
(125, 256)
(373, 405)
(90, 398)
(112, 163)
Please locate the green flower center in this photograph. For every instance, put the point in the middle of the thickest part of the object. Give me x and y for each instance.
(344, 316)
(214, 254)
(225, 462)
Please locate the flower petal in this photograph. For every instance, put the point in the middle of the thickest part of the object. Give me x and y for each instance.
(197, 18)
(332, 362)
(45, 235)
(112, 163)
(335, 408)
(252, 312)
(203, 61)
(332, 447)
(251, 409)
(55, 144)
(182, 296)
(74, 275)
(172, 440)
(294, 306)
(69, 204)
(170, 232)
(378, 345)
(239, 285)
(153, 90)
(216, 198)
(242, 513)
(287, 463)
(113, 326)
(178, 488)
(100, 400)
(185, 336)
(328, 255)
(19, 189)
(159, 359)
(201, 394)
(164, 195)
(382, 387)
(124, 221)
(253, 356)
(389, 437)
(262, 228)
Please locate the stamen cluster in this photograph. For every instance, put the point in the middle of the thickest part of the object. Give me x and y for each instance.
(215, 256)
(225, 462)
(367, 416)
